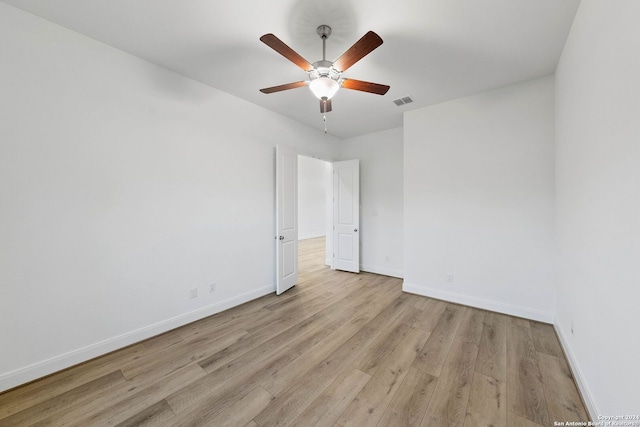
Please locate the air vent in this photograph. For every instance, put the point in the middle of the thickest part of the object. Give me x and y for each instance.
(404, 100)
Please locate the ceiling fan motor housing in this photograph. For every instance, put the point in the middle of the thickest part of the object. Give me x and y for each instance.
(324, 69)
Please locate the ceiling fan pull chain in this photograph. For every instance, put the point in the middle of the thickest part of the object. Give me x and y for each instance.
(325, 123)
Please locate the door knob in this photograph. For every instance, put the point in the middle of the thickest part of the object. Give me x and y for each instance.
(355, 230)
(281, 237)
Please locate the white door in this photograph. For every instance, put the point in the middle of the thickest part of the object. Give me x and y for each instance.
(346, 216)
(286, 218)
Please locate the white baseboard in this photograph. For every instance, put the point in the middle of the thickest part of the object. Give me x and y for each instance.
(513, 310)
(310, 236)
(382, 270)
(37, 370)
(577, 374)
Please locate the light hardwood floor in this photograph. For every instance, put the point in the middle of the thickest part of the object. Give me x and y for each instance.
(339, 349)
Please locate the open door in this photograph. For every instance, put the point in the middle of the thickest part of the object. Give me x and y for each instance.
(286, 218)
(346, 216)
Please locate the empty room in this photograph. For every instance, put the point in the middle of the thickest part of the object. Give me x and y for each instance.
(336, 213)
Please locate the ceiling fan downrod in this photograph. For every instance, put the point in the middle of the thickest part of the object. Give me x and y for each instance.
(324, 31)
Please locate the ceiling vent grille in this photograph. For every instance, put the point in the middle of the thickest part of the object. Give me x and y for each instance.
(404, 100)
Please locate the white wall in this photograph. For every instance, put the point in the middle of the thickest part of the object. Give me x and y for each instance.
(122, 186)
(598, 208)
(312, 189)
(381, 206)
(328, 206)
(478, 200)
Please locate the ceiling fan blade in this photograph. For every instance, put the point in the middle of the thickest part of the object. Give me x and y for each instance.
(283, 87)
(279, 46)
(359, 50)
(325, 105)
(360, 85)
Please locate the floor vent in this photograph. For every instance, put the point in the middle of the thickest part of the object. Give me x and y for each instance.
(403, 100)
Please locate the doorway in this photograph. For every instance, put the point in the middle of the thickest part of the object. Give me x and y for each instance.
(315, 214)
(341, 219)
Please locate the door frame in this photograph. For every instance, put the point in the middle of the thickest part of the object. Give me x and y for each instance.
(329, 241)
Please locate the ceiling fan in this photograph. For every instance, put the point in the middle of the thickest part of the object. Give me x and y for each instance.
(325, 77)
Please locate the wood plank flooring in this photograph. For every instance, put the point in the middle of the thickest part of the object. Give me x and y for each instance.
(339, 349)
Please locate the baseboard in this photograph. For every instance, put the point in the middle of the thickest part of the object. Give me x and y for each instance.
(46, 367)
(382, 270)
(310, 236)
(513, 310)
(577, 374)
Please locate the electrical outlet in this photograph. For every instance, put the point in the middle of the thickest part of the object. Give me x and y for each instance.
(450, 277)
(212, 288)
(193, 293)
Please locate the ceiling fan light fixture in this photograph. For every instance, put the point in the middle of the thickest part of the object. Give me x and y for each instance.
(324, 87)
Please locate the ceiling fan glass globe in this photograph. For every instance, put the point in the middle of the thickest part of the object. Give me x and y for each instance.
(324, 87)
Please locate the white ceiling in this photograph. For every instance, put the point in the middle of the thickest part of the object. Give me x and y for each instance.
(434, 50)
